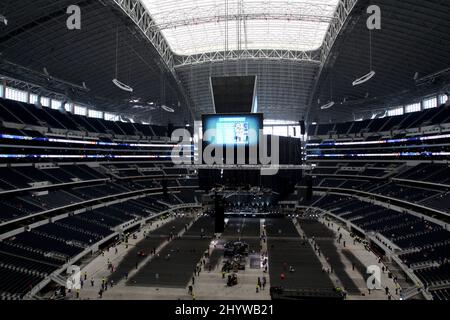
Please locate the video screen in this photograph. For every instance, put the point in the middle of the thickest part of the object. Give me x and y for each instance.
(233, 130)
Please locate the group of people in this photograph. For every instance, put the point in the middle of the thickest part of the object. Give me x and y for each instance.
(197, 269)
(261, 283)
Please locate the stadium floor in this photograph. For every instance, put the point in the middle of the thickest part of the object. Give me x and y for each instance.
(245, 229)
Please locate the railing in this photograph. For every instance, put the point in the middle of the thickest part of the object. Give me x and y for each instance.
(53, 186)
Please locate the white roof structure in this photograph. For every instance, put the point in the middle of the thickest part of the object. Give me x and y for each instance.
(193, 27)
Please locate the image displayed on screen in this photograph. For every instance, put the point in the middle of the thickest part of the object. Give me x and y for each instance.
(233, 129)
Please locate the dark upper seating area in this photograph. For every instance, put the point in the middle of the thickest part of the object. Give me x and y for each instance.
(405, 230)
(424, 184)
(429, 117)
(428, 172)
(19, 177)
(28, 114)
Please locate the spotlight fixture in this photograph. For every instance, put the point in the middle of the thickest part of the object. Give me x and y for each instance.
(327, 106)
(166, 108)
(3, 20)
(364, 78)
(46, 72)
(119, 84)
(122, 85)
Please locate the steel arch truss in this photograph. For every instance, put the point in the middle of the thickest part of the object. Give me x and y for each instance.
(343, 10)
(140, 16)
(135, 10)
(209, 57)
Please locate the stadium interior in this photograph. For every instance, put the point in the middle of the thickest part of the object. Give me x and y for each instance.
(225, 150)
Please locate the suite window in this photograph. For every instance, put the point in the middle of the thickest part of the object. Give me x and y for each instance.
(68, 107)
(111, 117)
(430, 103)
(294, 131)
(267, 130)
(79, 110)
(15, 94)
(395, 112)
(280, 131)
(412, 107)
(45, 101)
(56, 104)
(95, 114)
(34, 98)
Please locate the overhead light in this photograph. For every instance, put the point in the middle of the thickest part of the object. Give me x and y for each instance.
(3, 20)
(327, 106)
(166, 108)
(137, 107)
(135, 100)
(122, 86)
(364, 78)
(150, 103)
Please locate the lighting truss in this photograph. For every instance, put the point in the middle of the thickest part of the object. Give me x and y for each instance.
(300, 56)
